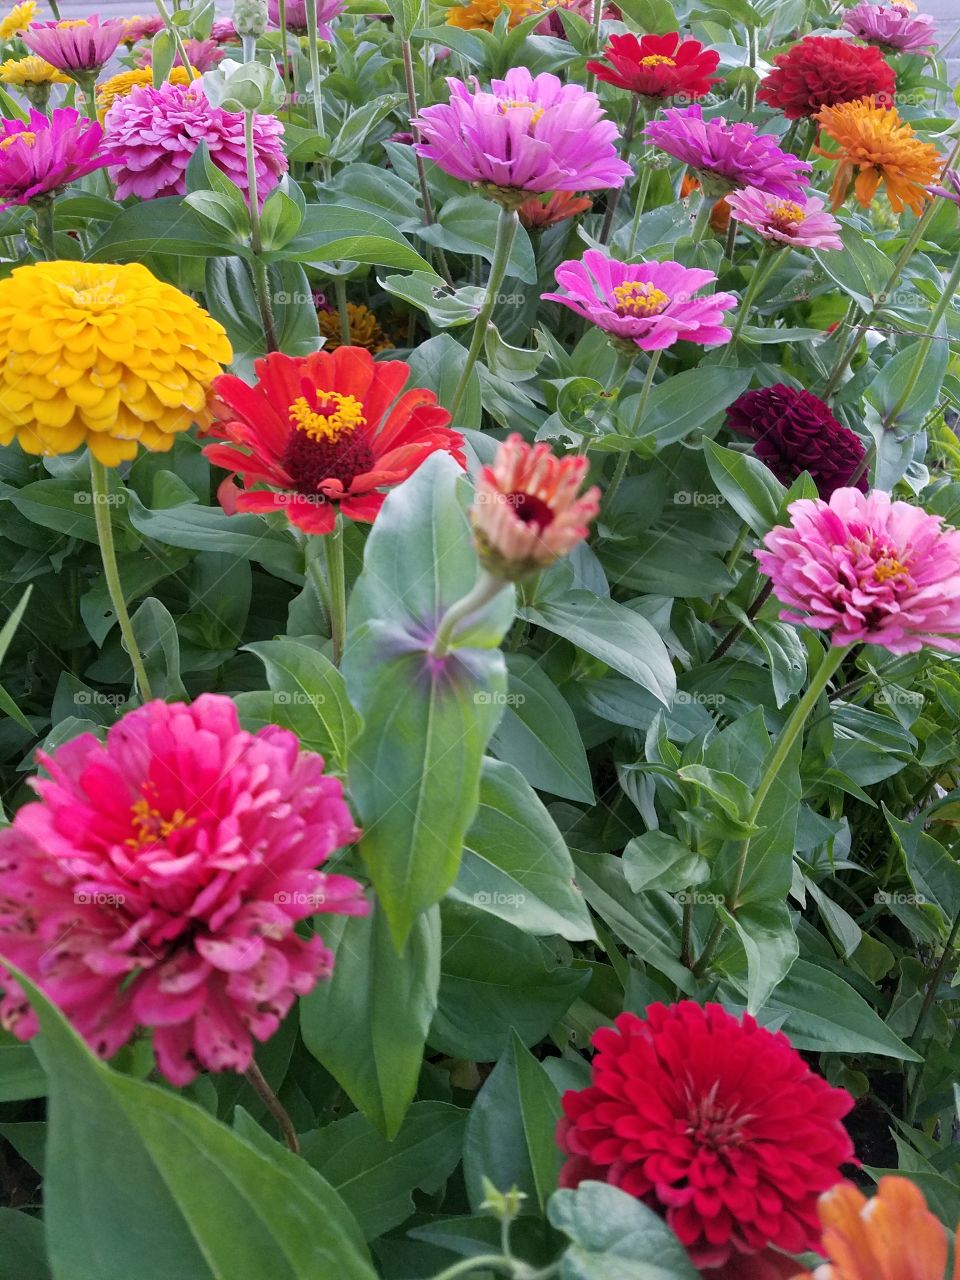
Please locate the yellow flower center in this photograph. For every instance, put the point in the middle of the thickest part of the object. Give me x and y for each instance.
(511, 104)
(657, 60)
(67, 23)
(24, 136)
(334, 417)
(151, 826)
(640, 298)
(889, 567)
(786, 214)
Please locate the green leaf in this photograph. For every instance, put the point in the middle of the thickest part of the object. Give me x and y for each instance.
(685, 402)
(888, 386)
(861, 271)
(210, 529)
(135, 1171)
(22, 1248)
(159, 645)
(515, 862)
(468, 225)
(348, 143)
(21, 1075)
(769, 940)
(934, 872)
(368, 1022)
(615, 1237)
(377, 1177)
(333, 234)
(165, 225)
(657, 860)
(752, 489)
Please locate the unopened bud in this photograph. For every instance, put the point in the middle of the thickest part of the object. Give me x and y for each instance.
(248, 86)
(250, 17)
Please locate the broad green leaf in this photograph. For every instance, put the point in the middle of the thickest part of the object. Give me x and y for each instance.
(210, 529)
(766, 931)
(22, 1249)
(21, 1075)
(165, 225)
(752, 489)
(934, 872)
(330, 234)
(657, 860)
(615, 1237)
(159, 645)
(885, 390)
(686, 402)
(468, 225)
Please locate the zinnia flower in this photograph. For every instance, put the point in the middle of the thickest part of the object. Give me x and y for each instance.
(866, 568)
(953, 177)
(18, 19)
(75, 44)
(657, 66)
(223, 31)
(327, 10)
(158, 880)
(203, 55)
(714, 1122)
(528, 134)
(34, 76)
(539, 211)
(102, 354)
(323, 432)
(877, 146)
(801, 223)
(892, 1236)
(651, 304)
(38, 157)
(365, 330)
(139, 28)
(482, 14)
(794, 431)
(728, 155)
(125, 82)
(892, 26)
(821, 71)
(528, 510)
(152, 133)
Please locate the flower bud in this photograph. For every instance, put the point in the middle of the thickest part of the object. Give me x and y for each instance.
(250, 17)
(250, 86)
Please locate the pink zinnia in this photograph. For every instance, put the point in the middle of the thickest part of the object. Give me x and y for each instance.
(726, 155)
(649, 303)
(41, 155)
(867, 569)
(140, 28)
(158, 880)
(75, 44)
(800, 222)
(152, 133)
(892, 26)
(203, 55)
(529, 133)
(223, 32)
(327, 10)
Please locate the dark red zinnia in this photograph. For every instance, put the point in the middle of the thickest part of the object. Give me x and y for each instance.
(794, 431)
(821, 71)
(658, 66)
(713, 1121)
(325, 432)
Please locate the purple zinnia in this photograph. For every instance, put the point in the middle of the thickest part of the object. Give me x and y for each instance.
(650, 304)
(728, 156)
(40, 155)
(327, 10)
(527, 134)
(75, 44)
(802, 223)
(152, 133)
(953, 177)
(794, 431)
(892, 26)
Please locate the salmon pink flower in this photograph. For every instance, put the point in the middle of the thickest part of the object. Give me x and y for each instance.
(325, 433)
(801, 223)
(158, 880)
(867, 569)
(821, 71)
(893, 27)
(527, 134)
(528, 510)
(75, 44)
(712, 1121)
(657, 67)
(539, 211)
(651, 304)
(38, 157)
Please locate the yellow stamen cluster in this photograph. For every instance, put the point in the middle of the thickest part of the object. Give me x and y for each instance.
(18, 19)
(151, 825)
(25, 136)
(514, 104)
(338, 416)
(365, 330)
(639, 298)
(30, 71)
(125, 82)
(786, 214)
(67, 23)
(889, 567)
(657, 60)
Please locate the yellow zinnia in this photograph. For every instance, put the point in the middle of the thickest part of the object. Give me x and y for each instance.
(484, 13)
(102, 354)
(125, 82)
(879, 147)
(365, 329)
(18, 19)
(31, 71)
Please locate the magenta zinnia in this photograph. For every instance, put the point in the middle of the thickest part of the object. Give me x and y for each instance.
(726, 155)
(158, 879)
(40, 156)
(652, 304)
(801, 222)
(867, 569)
(75, 44)
(528, 133)
(714, 1122)
(327, 10)
(892, 26)
(152, 133)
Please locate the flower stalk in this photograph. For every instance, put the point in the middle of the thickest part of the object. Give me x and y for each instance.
(261, 276)
(637, 421)
(486, 588)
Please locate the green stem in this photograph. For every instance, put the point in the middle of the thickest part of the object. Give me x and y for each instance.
(750, 94)
(640, 200)
(261, 276)
(485, 589)
(761, 273)
(314, 55)
(912, 1095)
(703, 219)
(413, 111)
(614, 198)
(337, 583)
(638, 419)
(829, 666)
(258, 1082)
(43, 216)
(946, 300)
(494, 1261)
(100, 493)
(175, 36)
(507, 224)
(285, 67)
(340, 292)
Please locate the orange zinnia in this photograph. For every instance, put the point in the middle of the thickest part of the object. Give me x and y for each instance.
(880, 147)
(894, 1236)
(484, 13)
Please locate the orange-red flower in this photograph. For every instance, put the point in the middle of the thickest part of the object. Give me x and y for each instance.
(719, 214)
(544, 211)
(894, 1236)
(324, 433)
(877, 146)
(482, 14)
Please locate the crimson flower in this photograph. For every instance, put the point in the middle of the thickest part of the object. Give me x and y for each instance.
(325, 433)
(821, 71)
(713, 1121)
(658, 66)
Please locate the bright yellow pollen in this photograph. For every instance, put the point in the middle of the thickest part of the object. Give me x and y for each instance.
(889, 567)
(345, 416)
(509, 104)
(24, 136)
(67, 23)
(639, 298)
(786, 214)
(657, 60)
(151, 826)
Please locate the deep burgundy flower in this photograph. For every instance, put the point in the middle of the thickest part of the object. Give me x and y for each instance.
(821, 71)
(657, 66)
(715, 1122)
(794, 431)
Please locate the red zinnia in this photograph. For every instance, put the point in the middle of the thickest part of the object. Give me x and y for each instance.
(714, 1121)
(327, 431)
(821, 71)
(658, 66)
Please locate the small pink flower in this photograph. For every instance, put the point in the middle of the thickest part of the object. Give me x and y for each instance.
(892, 26)
(75, 44)
(223, 32)
(801, 222)
(203, 55)
(867, 569)
(158, 880)
(528, 510)
(139, 28)
(649, 303)
(41, 156)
